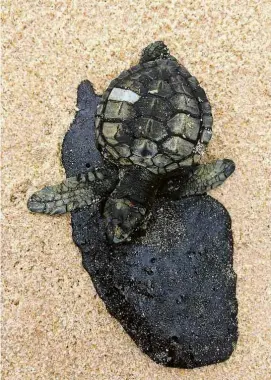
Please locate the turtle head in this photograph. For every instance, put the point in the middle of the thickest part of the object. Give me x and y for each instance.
(123, 217)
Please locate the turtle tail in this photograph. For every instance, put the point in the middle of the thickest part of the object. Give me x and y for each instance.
(155, 50)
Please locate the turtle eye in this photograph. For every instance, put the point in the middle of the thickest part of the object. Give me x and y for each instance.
(130, 204)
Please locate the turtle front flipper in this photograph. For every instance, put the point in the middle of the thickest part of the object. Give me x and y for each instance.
(201, 179)
(87, 189)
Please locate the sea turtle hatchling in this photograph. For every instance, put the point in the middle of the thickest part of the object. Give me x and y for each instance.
(152, 124)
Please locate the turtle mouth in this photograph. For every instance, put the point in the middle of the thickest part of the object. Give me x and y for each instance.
(115, 234)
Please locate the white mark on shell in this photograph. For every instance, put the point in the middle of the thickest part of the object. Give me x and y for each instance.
(122, 95)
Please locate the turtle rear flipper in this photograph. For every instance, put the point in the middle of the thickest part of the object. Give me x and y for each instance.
(87, 189)
(201, 179)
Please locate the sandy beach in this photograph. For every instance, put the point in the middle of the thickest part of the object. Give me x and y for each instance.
(54, 326)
